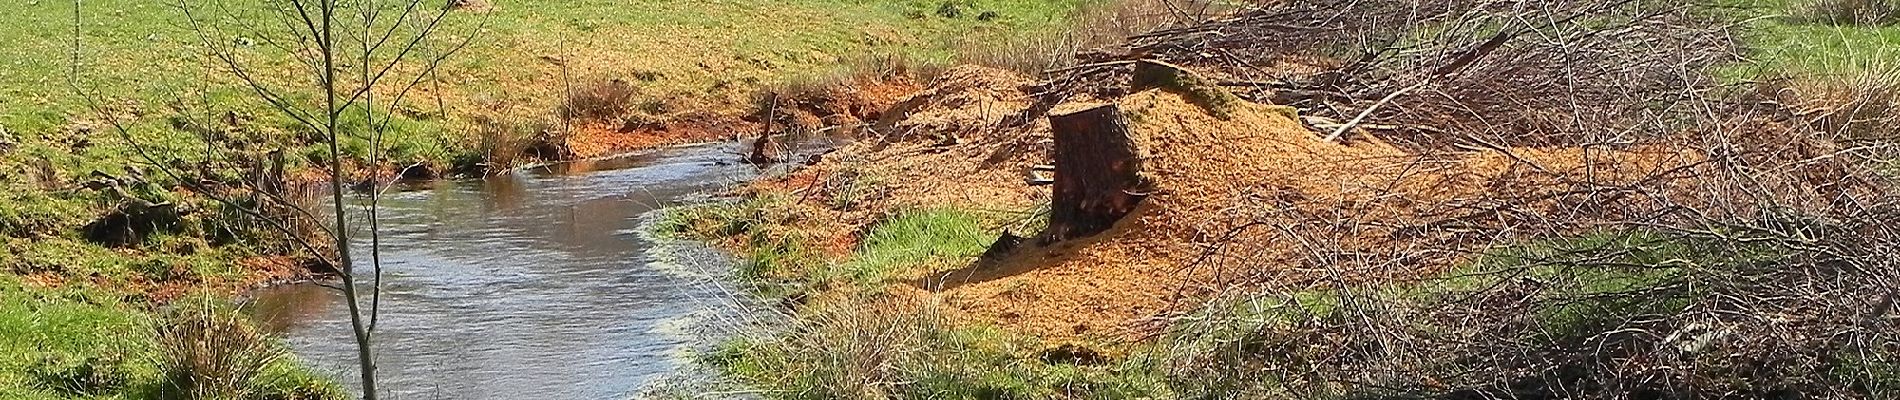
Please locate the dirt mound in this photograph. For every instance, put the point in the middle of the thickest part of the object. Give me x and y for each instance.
(984, 170)
(1245, 199)
(1257, 199)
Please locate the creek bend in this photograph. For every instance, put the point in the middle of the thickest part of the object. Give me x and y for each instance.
(543, 284)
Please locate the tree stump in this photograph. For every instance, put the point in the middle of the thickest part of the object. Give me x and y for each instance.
(761, 153)
(1098, 176)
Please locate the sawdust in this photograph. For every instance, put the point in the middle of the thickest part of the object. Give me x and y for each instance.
(1248, 200)
(1257, 199)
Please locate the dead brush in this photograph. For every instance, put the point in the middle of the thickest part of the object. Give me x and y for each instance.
(1764, 271)
(212, 354)
(1449, 74)
(1762, 266)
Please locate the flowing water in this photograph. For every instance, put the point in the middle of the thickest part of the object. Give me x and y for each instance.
(538, 285)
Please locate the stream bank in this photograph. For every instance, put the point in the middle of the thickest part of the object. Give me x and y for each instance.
(544, 283)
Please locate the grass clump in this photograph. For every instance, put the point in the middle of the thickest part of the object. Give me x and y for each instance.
(919, 239)
(88, 343)
(883, 349)
(211, 354)
(781, 254)
(600, 101)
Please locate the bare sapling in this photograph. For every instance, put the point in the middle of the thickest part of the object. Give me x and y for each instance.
(354, 62)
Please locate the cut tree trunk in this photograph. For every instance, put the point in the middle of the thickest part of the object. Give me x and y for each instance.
(1098, 176)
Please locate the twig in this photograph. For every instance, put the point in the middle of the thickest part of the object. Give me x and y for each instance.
(1369, 110)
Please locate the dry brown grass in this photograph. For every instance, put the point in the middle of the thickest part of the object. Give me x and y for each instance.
(506, 142)
(213, 354)
(1094, 27)
(598, 100)
(1852, 12)
(1864, 107)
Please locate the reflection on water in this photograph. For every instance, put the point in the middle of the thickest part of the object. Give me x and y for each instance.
(533, 286)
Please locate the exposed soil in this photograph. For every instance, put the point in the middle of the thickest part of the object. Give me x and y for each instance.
(1253, 199)
(594, 141)
(259, 272)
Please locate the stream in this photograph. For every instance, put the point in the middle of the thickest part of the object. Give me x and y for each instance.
(542, 284)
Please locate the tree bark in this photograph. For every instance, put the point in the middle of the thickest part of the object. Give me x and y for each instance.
(1098, 176)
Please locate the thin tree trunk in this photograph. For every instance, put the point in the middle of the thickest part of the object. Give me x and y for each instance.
(365, 359)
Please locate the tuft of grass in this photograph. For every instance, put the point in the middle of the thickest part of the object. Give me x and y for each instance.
(1860, 108)
(207, 353)
(90, 343)
(599, 101)
(781, 257)
(926, 239)
(877, 349)
(1239, 347)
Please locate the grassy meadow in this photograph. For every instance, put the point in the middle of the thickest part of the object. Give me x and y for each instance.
(79, 315)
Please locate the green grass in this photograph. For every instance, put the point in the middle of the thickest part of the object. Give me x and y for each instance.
(927, 238)
(58, 347)
(137, 58)
(84, 343)
(698, 56)
(860, 351)
(1784, 42)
